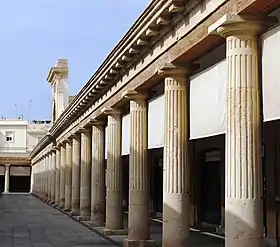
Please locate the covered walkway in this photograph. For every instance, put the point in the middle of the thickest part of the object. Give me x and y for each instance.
(27, 222)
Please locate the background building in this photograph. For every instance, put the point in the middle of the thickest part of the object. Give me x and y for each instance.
(17, 139)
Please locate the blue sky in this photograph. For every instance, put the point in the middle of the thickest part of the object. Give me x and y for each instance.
(34, 33)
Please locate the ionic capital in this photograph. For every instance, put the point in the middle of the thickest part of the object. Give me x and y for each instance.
(111, 112)
(134, 95)
(232, 24)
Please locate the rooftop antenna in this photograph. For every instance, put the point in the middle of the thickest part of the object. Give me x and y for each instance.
(16, 110)
(29, 110)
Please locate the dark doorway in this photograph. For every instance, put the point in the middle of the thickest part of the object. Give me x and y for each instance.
(2, 182)
(158, 184)
(20, 184)
(211, 189)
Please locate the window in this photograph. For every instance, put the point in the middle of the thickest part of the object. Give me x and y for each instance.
(9, 136)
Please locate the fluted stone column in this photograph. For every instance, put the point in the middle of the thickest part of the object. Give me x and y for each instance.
(114, 211)
(53, 161)
(243, 172)
(62, 176)
(57, 176)
(49, 177)
(85, 182)
(32, 179)
(176, 206)
(76, 173)
(41, 178)
(138, 210)
(46, 177)
(98, 174)
(7, 179)
(68, 176)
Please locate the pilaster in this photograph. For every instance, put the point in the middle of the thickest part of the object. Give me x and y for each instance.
(114, 211)
(176, 205)
(243, 172)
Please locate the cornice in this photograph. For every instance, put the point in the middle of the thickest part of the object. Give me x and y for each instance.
(142, 35)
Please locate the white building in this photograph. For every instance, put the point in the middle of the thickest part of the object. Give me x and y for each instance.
(17, 139)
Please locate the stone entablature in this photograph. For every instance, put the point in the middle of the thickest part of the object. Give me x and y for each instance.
(154, 25)
(98, 91)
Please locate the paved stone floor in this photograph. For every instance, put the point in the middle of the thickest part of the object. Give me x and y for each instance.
(27, 222)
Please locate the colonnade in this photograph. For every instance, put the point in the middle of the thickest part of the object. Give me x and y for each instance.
(72, 174)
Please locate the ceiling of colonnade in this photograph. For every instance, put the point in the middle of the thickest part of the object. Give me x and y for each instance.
(35, 34)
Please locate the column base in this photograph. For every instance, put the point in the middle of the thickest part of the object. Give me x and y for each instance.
(138, 243)
(67, 210)
(109, 232)
(61, 207)
(96, 224)
(73, 213)
(83, 218)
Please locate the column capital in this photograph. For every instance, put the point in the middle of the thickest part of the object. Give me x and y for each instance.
(96, 122)
(53, 150)
(172, 70)
(134, 95)
(7, 165)
(84, 129)
(111, 111)
(75, 135)
(232, 24)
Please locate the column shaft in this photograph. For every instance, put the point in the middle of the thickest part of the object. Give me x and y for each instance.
(68, 176)
(46, 178)
(32, 179)
(57, 176)
(243, 195)
(53, 171)
(62, 176)
(85, 174)
(176, 208)
(114, 211)
(7, 179)
(76, 173)
(98, 174)
(49, 176)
